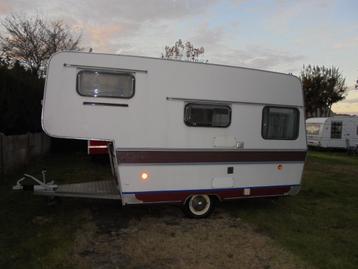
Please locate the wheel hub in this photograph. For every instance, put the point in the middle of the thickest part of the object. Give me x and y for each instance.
(199, 203)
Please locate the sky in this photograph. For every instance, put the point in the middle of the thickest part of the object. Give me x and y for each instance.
(276, 35)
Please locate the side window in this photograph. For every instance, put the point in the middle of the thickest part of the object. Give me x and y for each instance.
(205, 115)
(357, 130)
(105, 84)
(280, 123)
(336, 129)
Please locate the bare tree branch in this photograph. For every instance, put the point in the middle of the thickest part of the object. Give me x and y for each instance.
(180, 49)
(32, 41)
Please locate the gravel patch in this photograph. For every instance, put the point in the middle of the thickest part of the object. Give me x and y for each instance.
(156, 237)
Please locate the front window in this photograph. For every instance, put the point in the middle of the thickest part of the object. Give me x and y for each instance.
(105, 84)
(280, 123)
(313, 128)
(336, 129)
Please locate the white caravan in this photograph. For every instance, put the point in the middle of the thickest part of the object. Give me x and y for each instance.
(179, 132)
(333, 132)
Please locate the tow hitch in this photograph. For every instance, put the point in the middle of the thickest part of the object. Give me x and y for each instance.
(41, 185)
(103, 189)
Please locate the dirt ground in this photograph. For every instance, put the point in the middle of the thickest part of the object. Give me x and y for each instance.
(155, 237)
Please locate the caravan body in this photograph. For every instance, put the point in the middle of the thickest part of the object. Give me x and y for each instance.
(333, 132)
(177, 128)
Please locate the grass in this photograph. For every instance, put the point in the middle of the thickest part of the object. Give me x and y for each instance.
(35, 235)
(319, 225)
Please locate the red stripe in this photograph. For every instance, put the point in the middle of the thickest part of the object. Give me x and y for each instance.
(96, 147)
(153, 197)
(97, 151)
(98, 143)
(207, 156)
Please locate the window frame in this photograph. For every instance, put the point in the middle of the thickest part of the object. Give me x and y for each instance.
(341, 132)
(285, 107)
(225, 106)
(104, 72)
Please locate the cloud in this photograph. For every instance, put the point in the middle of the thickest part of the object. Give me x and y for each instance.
(100, 36)
(5, 8)
(109, 24)
(107, 11)
(350, 104)
(229, 33)
(347, 43)
(256, 57)
(350, 101)
(206, 36)
(286, 13)
(219, 48)
(340, 108)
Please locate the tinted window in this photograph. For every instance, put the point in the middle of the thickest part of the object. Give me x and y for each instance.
(105, 84)
(336, 129)
(201, 115)
(280, 123)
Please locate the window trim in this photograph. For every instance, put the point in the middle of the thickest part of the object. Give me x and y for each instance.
(105, 72)
(212, 105)
(286, 107)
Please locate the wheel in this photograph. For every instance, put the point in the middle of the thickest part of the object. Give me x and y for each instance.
(199, 206)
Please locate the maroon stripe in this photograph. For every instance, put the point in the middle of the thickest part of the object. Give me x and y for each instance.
(153, 197)
(208, 156)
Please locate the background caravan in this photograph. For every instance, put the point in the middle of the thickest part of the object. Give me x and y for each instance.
(179, 132)
(333, 132)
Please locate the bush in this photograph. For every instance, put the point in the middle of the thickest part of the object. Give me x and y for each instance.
(21, 93)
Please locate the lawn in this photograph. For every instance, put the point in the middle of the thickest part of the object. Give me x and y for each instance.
(318, 226)
(34, 234)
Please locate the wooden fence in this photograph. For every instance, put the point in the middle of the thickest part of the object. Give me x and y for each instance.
(17, 150)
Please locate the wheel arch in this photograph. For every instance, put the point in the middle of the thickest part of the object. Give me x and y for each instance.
(216, 196)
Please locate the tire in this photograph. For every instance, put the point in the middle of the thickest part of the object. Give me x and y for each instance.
(199, 206)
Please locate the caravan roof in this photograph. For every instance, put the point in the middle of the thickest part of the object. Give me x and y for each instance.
(324, 119)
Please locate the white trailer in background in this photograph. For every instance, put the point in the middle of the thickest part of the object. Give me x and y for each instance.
(333, 132)
(179, 132)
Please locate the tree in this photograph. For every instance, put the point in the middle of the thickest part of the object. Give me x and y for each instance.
(322, 87)
(21, 92)
(31, 41)
(180, 50)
